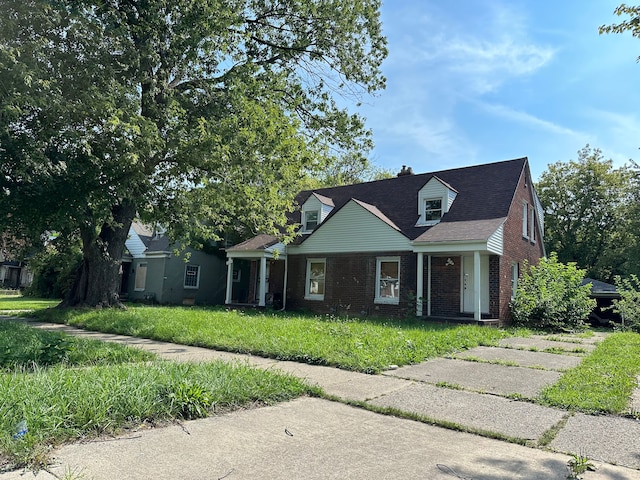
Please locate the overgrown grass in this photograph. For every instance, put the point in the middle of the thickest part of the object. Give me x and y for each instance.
(25, 347)
(369, 345)
(604, 381)
(63, 388)
(60, 404)
(10, 303)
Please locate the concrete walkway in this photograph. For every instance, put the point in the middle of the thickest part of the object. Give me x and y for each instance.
(482, 390)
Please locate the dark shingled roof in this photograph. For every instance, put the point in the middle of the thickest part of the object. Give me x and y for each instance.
(484, 192)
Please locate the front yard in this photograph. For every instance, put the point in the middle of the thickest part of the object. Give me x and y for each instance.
(66, 388)
(368, 345)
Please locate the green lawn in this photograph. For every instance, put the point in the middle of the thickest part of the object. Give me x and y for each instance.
(10, 303)
(604, 380)
(65, 388)
(367, 345)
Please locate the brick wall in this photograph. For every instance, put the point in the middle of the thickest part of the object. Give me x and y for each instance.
(350, 284)
(516, 247)
(445, 287)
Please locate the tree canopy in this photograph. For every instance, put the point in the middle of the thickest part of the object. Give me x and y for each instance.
(201, 116)
(588, 214)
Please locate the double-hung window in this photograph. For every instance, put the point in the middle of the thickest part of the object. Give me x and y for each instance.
(191, 276)
(315, 281)
(514, 279)
(388, 280)
(310, 220)
(432, 210)
(532, 225)
(525, 220)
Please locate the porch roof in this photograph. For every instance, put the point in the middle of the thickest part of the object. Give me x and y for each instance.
(463, 236)
(259, 246)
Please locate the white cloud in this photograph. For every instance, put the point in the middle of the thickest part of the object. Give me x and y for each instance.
(478, 60)
(530, 120)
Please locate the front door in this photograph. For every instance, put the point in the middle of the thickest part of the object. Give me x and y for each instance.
(467, 284)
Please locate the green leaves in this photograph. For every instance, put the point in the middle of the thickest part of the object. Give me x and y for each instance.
(549, 297)
(201, 116)
(586, 213)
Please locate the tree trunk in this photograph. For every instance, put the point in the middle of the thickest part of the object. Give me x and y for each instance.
(97, 281)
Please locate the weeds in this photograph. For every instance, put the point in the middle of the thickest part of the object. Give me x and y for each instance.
(368, 346)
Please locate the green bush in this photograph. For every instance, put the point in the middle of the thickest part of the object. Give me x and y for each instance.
(549, 297)
(628, 306)
(53, 270)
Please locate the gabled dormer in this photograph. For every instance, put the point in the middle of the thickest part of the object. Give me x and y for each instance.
(434, 200)
(314, 211)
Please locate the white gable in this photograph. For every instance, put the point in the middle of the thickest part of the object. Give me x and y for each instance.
(134, 244)
(353, 229)
(316, 203)
(434, 189)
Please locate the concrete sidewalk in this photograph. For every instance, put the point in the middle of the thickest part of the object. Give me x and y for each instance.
(316, 438)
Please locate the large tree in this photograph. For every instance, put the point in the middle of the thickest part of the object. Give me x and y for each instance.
(199, 115)
(586, 203)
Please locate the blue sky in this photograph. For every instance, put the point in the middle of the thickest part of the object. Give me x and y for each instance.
(478, 81)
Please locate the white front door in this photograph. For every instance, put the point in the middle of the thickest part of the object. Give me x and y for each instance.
(467, 284)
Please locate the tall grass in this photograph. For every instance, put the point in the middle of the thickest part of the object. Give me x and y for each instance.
(605, 379)
(367, 345)
(26, 347)
(65, 388)
(9, 303)
(60, 404)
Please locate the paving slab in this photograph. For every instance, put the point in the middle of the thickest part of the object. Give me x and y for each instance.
(606, 438)
(344, 384)
(542, 343)
(312, 439)
(483, 377)
(488, 413)
(523, 358)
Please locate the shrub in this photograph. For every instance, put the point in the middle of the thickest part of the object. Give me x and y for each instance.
(53, 271)
(549, 297)
(628, 306)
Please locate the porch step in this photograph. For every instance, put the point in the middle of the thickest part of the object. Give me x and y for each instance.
(485, 322)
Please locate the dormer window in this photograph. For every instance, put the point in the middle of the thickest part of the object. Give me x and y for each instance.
(432, 210)
(310, 220)
(434, 200)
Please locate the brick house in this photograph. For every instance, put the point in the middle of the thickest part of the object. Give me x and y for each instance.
(445, 245)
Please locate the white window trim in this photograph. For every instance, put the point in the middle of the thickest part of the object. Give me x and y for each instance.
(378, 298)
(307, 279)
(525, 220)
(305, 229)
(146, 271)
(514, 279)
(422, 207)
(184, 283)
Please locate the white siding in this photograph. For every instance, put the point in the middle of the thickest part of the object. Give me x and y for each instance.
(433, 189)
(134, 244)
(353, 229)
(495, 243)
(452, 197)
(313, 204)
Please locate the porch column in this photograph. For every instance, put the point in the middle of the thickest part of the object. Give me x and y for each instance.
(284, 287)
(429, 286)
(419, 284)
(263, 282)
(477, 302)
(227, 298)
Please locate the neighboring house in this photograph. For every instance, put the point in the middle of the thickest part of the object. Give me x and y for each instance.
(448, 244)
(151, 271)
(14, 274)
